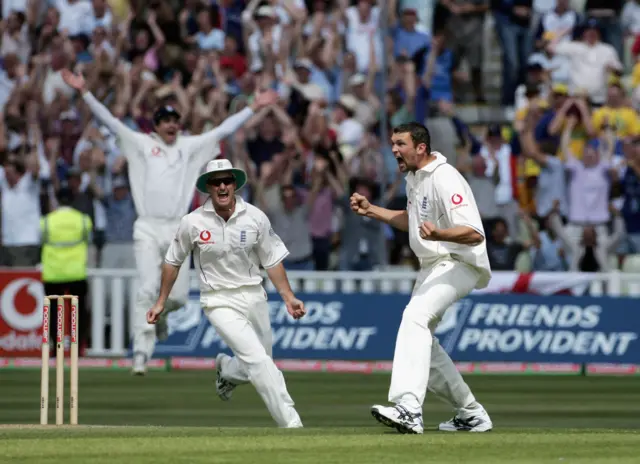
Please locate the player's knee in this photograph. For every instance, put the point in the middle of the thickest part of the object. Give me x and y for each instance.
(255, 362)
(414, 315)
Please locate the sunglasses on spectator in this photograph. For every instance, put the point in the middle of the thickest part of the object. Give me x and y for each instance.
(221, 180)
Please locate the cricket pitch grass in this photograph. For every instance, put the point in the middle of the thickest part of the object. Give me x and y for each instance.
(175, 417)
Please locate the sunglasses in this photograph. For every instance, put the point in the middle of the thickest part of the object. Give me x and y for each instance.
(221, 180)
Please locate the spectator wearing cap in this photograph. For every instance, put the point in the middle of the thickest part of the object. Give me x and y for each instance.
(265, 35)
(557, 99)
(498, 154)
(512, 19)
(349, 131)
(362, 241)
(466, 26)
(616, 114)
(118, 252)
(607, 12)
(361, 87)
(591, 61)
(306, 73)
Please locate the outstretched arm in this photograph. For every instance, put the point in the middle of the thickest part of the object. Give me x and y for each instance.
(98, 109)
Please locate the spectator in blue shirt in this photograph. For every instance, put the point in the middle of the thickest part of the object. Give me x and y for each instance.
(408, 41)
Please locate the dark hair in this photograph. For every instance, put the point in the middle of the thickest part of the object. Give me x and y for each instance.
(419, 133)
(500, 221)
(17, 164)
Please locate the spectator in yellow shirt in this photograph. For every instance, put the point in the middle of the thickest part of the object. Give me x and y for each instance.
(616, 114)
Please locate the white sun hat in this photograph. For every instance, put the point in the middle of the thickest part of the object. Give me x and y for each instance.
(221, 165)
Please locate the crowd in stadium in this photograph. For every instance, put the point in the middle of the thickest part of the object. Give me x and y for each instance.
(557, 185)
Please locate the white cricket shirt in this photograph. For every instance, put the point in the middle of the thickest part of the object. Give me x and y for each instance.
(227, 254)
(162, 177)
(439, 194)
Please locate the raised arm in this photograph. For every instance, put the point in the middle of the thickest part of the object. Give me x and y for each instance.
(116, 126)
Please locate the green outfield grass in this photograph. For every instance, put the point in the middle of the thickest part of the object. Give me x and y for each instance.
(175, 417)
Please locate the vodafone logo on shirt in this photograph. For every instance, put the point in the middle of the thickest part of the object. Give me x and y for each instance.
(457, 200)
(205, 236)
(21, 297)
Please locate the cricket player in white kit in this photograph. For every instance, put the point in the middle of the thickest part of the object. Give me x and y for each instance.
(163, 167)
(446, 234)
(231, 239)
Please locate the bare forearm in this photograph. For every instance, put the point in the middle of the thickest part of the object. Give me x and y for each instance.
(463, 235)
(169, 276)
(280, 281)
(395, 218)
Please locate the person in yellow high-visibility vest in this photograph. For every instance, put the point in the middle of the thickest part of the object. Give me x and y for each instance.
(66, 234)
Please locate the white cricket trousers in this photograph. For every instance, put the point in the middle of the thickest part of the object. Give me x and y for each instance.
(419, 362)
(151, 240)
(241, 318)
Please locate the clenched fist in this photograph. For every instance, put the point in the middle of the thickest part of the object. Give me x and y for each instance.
(428, 231)
(359, 204)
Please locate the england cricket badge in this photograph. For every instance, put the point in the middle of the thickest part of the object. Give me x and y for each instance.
(424, 209)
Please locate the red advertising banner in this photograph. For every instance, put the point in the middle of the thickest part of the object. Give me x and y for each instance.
(21, 295)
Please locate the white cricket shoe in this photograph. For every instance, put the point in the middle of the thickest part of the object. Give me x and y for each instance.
(398, 417)
(139, 364)
(296, 424)
(224, 388)
(468, 421)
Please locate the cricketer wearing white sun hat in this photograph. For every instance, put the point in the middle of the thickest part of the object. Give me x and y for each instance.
(221, 165)
(231, 241)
